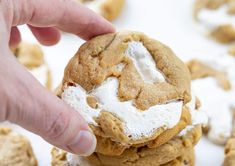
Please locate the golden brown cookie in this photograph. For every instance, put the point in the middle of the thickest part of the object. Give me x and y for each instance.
(130, 89)
(109, 9)
(59, 157)
(176, 151)
(108, 147)
(229, 159)
(221, 31)
(224, 34)
(31, 56)
(187, 159)
(15, 150)
(147, 156)
(199, 69)
(230, 153)
(231, 50)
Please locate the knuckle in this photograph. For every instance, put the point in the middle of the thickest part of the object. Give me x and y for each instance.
(58, 127)
(87, 25)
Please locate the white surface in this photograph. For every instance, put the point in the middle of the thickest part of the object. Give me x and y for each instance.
(169, 21)
(95, 5)
(137, 124)
(41, 73)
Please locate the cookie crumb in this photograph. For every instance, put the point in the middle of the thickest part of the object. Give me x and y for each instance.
(92, 102)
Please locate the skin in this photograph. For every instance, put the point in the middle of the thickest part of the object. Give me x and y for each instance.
(23, 100)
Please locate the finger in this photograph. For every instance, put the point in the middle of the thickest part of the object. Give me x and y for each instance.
(67, 15)
(30, 105)
(46, 36)
(15, 37)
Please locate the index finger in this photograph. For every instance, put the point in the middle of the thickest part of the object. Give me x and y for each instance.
(67, 15)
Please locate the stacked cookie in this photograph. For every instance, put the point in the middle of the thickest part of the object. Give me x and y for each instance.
(15, 149)
(218, 17)
(109, 9)
(136, 96)
(31, 56)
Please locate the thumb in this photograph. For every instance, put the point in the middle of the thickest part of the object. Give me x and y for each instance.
(28, 104)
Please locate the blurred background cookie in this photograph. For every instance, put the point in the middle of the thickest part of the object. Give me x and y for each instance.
(229, 159)
(215, 76)
(109, 9)
(218, 16)
(31, 56)
(15, 149)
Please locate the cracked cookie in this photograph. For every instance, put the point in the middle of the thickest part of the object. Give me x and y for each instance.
(137, 86)
(31, 56)
(109, 9)
(15, 150)
(136, 96)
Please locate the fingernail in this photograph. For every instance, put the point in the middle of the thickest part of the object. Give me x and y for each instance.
(84, 143)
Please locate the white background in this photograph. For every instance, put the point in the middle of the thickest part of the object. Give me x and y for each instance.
(169, 21)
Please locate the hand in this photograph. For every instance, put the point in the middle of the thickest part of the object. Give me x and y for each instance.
(23, 100)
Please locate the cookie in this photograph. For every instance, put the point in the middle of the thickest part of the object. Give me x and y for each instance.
(31, 56)
(231, 50)
(229, 159)
(187, 159)
(108, 147)
(218, 17)
(128, 87)
(218, 75)
(176, 151)
(199, 70)
(230, 153)
(109, 9)
(15, 150)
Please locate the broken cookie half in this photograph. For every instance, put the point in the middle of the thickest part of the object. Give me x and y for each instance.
(132, 90)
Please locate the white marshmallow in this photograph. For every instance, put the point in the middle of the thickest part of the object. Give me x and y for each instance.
(144, 62)
(216, 103)
(198, 117)
(136, 123)
(214, 18)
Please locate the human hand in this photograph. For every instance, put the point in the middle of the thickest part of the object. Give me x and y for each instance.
(23, 100)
